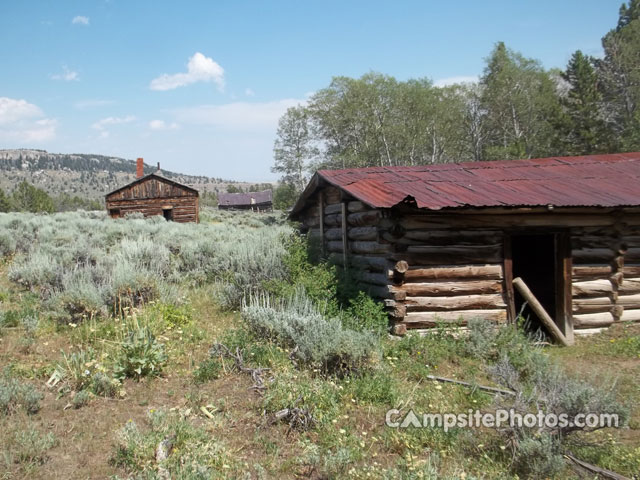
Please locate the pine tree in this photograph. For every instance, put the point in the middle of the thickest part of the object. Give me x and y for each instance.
(5, 202)
(620, 73)
(585, 130)
(27, 198)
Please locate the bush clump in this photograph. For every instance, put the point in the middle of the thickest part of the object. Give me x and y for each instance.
(29, 446)
(539, 385)
(80, 399)
(77, 368)
(140, 356)
(315, 340)
(15, 395)
(365, 315)
(538, 457)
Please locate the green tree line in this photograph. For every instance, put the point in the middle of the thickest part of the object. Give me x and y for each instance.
(27, 198)
(517, 109)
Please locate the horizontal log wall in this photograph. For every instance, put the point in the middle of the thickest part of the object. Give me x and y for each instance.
(629, 289)
(606, 274)
(184, 209)
(454, 262)
(471, 286)
(454, 268)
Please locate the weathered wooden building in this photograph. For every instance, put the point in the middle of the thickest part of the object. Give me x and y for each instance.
(443, 243)
(255, 201)
(154, 195)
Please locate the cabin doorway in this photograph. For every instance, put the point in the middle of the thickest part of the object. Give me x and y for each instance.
(543, 262)
(167, 213)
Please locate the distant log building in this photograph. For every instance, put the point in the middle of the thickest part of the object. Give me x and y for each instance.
(255, 201)
(154, 195)
(444, 243)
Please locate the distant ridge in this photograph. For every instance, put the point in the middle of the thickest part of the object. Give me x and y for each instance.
(83, 174)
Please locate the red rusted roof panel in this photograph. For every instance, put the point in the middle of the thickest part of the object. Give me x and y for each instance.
(593, 180)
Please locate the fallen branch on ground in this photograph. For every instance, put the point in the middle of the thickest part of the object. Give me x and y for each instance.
(219, 349)
(595, 469)
(467, 384)
(299, 419)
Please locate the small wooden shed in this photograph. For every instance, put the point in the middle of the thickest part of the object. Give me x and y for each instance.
(443, 243)
(255, 201)
(154, 194)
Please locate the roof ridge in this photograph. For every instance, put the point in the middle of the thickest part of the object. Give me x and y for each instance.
(563, 181)
(585, 160)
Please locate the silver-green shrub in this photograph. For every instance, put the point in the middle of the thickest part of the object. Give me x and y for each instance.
(7, 244)
(315, 340)
(15, 394)
(85, 264)
(38, 269)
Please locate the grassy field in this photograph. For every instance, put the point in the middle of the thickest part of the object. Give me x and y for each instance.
(143, 349)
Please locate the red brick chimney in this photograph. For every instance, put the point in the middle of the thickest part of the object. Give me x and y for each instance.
(140, 168)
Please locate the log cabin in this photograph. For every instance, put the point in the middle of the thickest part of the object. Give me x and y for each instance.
(254, 201)
(154, 194)
(443, 243)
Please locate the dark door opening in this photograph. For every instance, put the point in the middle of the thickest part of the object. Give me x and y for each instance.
(534, 260)
(167, 213)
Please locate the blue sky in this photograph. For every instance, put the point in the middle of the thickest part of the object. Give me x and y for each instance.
(199, 85)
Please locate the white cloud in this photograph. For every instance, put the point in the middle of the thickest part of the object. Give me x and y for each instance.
(162, 125)
(80, 20)
(66, 75)
(249, 93)
(22, 121)
(101, 125)
(199, 69)
(445, 82)
(92, 103)
(13, 111)
(238, 116)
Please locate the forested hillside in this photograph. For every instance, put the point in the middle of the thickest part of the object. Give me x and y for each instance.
(516, 109)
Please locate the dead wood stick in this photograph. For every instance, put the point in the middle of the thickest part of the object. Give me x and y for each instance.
(537, 307)
(467, 384)
(298, 418)
(204, 410)
(603, 472)
(219, 349)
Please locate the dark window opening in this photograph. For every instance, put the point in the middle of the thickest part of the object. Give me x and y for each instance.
(167, 213)
(534, 260)
(114, 212)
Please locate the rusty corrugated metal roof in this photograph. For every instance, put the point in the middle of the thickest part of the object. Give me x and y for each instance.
(611, 180)
(242, 199)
